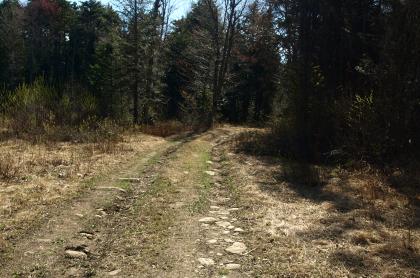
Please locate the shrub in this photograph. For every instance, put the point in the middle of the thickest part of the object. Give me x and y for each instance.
(165, 129)
(105, 134)
(366, 137)
(9, 168)
(43, 113)
(30, 107)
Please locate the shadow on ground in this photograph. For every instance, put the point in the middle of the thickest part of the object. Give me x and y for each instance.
(367, 230)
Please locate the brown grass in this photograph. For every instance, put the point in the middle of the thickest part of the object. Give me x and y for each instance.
(36, 176)
(9, 167)
(328, 221)
(165, 129)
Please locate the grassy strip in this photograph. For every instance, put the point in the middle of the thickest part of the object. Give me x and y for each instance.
(198, 168)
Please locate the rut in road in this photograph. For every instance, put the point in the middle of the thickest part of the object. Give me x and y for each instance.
(73, 231)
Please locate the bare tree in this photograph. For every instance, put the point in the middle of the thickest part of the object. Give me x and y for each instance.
(131, 11)
(223, 34)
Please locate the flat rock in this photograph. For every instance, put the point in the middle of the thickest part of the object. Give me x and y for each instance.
(212, 241)
(233, 266)
(74, 272)
(207, 220)
(206, 261)
(177, 205)
(233, 209)
(236, 248)
(87, 235)
(44, 240)
(223, 224)
(210, 173)
(239, 230)
(214, 207)
(114, 272)
(76, 254)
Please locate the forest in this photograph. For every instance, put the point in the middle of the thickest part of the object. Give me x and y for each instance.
(321, 95)
(324, 75)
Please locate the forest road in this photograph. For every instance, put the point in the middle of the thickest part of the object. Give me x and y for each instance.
(170, 214)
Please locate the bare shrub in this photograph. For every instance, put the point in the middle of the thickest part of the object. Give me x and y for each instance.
(9, 168)
(303, 174)
(105, 134)
(165, 129)
(255, 143)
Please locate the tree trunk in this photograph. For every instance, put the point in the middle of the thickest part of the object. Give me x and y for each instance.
(136, 72)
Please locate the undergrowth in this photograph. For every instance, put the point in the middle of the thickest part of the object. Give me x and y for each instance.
(165, 129)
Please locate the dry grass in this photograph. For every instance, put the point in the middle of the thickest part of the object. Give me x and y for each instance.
(319, 221)
(9, 167)
(34, 177)
(165, 129)
(160, 237)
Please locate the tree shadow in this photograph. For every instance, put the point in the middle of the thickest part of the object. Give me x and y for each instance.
(348, 215)
(6, 135)
(357, 262)
(407, 183)
(307, 181)
(351, 217)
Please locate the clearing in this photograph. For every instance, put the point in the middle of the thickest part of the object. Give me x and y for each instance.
(194, 206)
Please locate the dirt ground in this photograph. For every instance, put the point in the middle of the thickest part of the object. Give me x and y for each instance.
(194, 206)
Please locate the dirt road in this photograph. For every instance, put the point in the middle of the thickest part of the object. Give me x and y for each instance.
(159, 217)
(193, 208)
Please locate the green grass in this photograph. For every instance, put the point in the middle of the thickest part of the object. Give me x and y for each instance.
(223, 271)
(198, 167)
(124, 185)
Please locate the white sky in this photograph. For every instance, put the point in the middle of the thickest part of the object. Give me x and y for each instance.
(181, 7)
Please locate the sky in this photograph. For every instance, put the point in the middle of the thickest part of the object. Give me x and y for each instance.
(181, 7)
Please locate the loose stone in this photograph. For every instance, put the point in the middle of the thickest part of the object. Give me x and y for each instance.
(233, 266)
(206, 261)
(223, 224)
(76, 254)
(114, 272)
(236, 248)
(207, 220)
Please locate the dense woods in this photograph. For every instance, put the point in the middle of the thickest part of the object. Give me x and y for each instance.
(331, 78)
